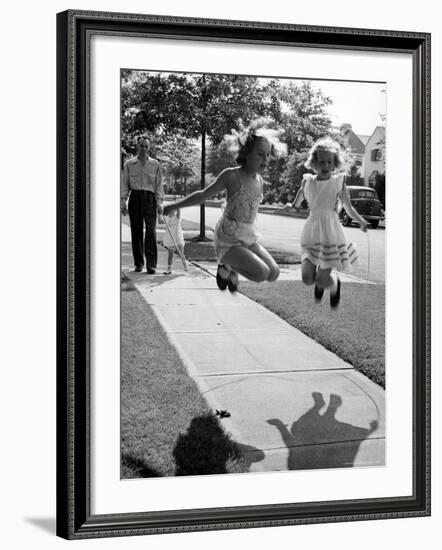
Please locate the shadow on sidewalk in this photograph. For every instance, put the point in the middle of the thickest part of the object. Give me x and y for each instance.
(206, 449)
(321, 441)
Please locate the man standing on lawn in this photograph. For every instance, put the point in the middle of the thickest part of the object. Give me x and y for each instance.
(143, 184)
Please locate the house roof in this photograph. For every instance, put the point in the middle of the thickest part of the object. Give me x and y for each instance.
(355, 143)
(382, 128)
(364, 139)
(358, 142)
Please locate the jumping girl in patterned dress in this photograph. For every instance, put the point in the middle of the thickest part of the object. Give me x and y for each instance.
(235, 238)
(323, 242)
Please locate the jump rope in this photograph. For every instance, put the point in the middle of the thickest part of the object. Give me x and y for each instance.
(368, 256)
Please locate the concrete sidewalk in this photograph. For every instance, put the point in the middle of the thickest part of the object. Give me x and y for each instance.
(292, 403)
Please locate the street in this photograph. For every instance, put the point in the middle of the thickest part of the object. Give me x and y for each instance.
(283, 233)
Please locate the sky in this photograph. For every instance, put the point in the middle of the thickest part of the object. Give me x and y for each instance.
(359, 103)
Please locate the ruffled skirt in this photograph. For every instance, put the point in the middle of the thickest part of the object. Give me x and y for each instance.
(323, 242)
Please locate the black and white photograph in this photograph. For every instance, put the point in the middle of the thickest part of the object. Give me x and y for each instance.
(253, 252)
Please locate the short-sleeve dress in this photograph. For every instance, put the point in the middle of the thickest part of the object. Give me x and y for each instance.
(323, 240)
(175, 229)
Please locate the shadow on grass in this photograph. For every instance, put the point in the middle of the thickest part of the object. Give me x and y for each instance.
(321, 441)
(154, 281)
(126, 283)
(134, 467)
(206, 449)
(283, 257)
(200, 251)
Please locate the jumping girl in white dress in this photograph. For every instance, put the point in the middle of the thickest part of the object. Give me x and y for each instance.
(235, 238)
(323, 242)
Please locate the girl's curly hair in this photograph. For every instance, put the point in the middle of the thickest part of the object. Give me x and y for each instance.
(241, 142)
(330, 145)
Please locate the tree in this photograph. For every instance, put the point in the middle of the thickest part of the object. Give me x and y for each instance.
(157, 103)
(219, 158)
(304, 120)
(203, 107)
(206, 107)
(295, 171)
(304, 115)
(180, 158)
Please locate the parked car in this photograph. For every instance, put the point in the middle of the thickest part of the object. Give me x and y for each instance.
(366, 202)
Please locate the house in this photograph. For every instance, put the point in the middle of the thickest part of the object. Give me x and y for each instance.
(369, 154)
(375, 157)
(356, 143)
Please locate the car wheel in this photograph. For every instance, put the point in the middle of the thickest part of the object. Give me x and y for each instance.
(374, 224)
(346, 220)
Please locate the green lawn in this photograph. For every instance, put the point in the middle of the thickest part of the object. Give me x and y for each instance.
(355, 331)
(167, 427)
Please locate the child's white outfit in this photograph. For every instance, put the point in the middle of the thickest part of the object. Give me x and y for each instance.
(323, 240)
(174, 224)
(237, 227)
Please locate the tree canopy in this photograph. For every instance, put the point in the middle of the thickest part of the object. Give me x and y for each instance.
(185, 112)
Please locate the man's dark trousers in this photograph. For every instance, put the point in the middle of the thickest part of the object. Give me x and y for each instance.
(143, 211)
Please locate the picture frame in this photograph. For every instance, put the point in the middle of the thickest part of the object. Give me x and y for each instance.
(75, 400)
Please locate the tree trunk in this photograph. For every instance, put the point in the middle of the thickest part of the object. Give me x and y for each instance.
(202, 235)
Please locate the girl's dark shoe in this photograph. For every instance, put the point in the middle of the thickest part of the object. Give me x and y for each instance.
(233, 281)
(335, 298)
(220, 280)
(319, 293)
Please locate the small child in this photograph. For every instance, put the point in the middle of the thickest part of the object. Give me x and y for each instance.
(235, 237)
(323, 242)
(174, 238)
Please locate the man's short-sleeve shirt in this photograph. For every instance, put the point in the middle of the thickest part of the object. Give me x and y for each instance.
(147, 177)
